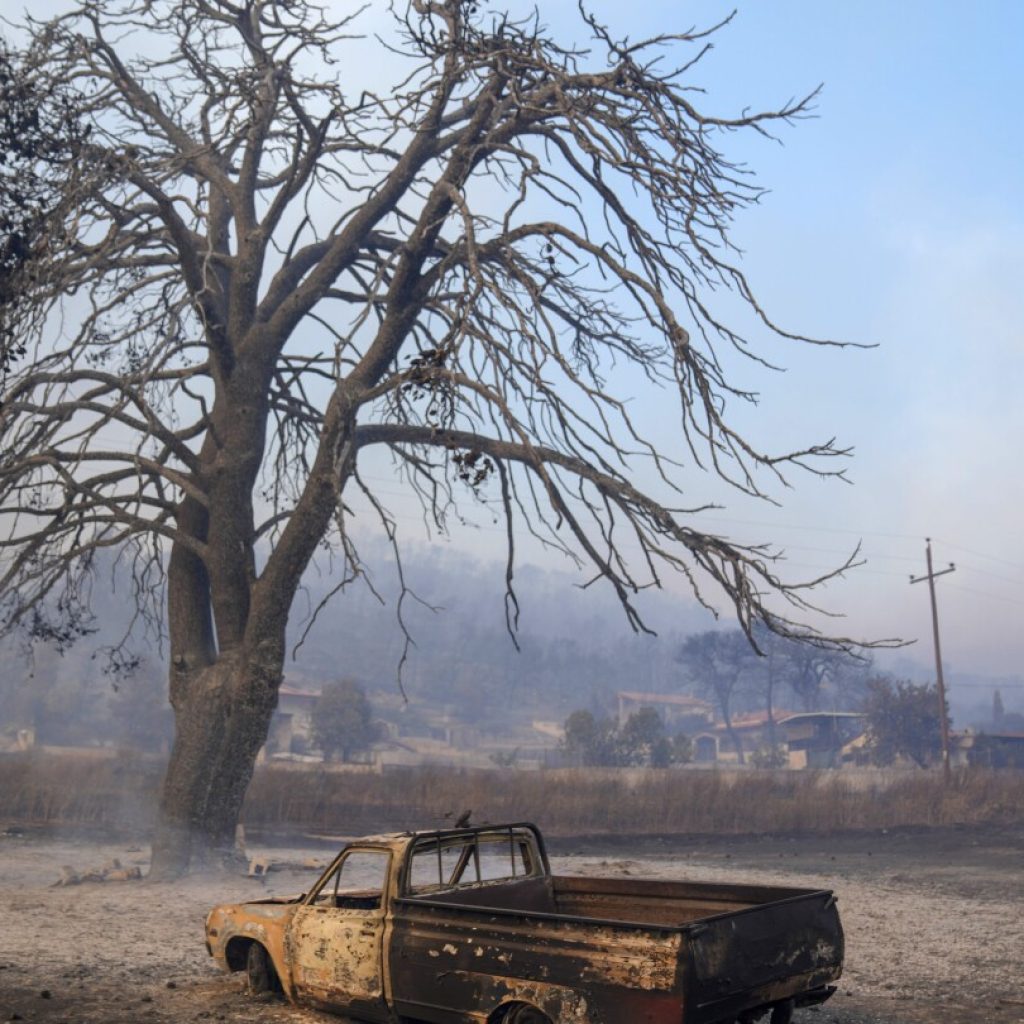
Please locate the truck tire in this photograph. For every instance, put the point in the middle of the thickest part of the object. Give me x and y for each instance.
(524, 1014)
(259, 970)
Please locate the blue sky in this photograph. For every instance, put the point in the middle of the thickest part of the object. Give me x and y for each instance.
(895, 219)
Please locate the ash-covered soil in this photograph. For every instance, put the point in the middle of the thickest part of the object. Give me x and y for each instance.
(934, 923)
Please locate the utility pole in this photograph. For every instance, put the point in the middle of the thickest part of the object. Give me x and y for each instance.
(931, 577)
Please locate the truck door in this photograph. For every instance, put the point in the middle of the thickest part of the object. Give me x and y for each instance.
(336, 937)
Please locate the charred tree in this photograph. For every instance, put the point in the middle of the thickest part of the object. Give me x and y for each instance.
(261, 269)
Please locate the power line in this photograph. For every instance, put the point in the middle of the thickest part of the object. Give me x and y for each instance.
(865, 569)
(982, 593)
(871, 556)
(114, 440)
(990, 558)
(993, 575)
(767, 524)
(831, 568)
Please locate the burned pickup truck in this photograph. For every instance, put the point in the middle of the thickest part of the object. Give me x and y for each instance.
(470, 925)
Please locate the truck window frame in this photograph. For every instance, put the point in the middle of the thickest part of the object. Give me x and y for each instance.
(335, 870)
(521, 841)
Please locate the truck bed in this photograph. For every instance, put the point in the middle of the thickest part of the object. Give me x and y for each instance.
(657, 950)
(661, 904)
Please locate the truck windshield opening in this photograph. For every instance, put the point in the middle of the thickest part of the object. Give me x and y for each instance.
(442, 863)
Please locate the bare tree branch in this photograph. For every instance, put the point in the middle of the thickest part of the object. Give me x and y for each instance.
(242, 269)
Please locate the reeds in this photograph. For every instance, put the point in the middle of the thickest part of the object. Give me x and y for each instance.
(120, 793)
(87, 790)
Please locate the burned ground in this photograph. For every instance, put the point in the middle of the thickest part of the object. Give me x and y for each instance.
(933, 920)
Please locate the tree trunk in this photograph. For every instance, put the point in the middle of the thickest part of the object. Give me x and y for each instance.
(734, 737)
(227, 627)
(736, 742)
(222, 718)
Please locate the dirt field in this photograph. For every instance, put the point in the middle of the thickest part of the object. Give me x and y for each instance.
(934, 923)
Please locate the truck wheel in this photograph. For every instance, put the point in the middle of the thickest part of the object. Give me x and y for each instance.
(259, 970)
(523, 1014)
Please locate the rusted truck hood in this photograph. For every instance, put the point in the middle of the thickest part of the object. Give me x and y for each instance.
(250, 918)
(275, 908)
(270, 901)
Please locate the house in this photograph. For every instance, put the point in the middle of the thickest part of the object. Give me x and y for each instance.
(754, 730)
(810, 739)
(680, 712)
(820, 739)
(292, 719)
(990, 749)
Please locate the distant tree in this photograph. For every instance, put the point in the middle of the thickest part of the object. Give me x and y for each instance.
(682, 749)
(590, 741)
(343, 720)
(771, 756)
(640, 741)
(846, 683)
(660, 753)
(716, 662)
(903, 721)
(639, 735)
(807, 671)
(774, 668)
(666, 751)
(811, 669)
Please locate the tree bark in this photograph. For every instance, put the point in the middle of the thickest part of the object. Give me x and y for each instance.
(227, 633)
(219, 729)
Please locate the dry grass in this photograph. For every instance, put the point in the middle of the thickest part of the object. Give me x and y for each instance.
(83, 789)
(120, 793)
(577, 802)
